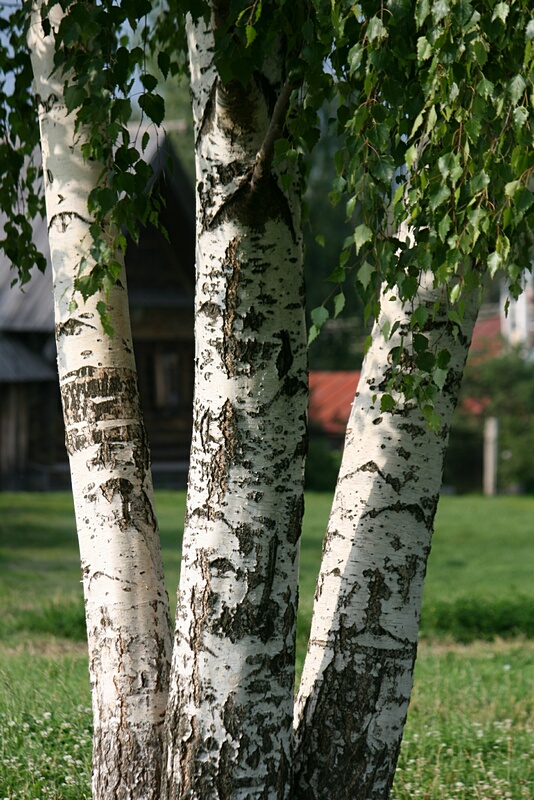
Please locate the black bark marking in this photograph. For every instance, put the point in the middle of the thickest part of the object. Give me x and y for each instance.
(225, 456)
(284, 359)
(378, 591)
(73, 327)
(414, 509)
(396, 483)
(211, 310)
(61, 220)
(230, 264)
(46, 103)
(253, 320)
(295, 515)
(228, 172)
(406, 573)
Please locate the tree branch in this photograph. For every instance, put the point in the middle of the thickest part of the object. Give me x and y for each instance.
(264, 158)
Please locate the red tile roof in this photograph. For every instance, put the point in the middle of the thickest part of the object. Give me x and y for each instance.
(331, 396)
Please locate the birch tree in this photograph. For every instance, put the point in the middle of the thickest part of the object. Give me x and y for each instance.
(433, 103)
(126, 604)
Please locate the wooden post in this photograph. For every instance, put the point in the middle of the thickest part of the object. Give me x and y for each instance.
(491, 439)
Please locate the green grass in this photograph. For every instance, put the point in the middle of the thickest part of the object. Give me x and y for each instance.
(471, 723)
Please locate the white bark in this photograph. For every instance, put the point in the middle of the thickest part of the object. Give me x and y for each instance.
(126, 604)
(231, 697)
(355, 688)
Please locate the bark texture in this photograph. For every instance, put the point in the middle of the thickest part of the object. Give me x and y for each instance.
(231, 701)
(127, 615)
(353, 698)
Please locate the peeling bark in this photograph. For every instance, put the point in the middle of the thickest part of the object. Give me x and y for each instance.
(231, 700)
(127, 614)
(355, 688)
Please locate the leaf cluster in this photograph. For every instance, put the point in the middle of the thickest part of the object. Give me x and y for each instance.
(435, 103)
(20, 174)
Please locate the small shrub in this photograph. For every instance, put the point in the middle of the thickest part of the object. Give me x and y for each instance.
(468, 618)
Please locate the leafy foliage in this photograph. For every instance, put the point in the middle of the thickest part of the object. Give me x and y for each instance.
(20, 200)
(433, 103)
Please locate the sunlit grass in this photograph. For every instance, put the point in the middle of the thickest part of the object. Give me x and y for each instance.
(470, 728)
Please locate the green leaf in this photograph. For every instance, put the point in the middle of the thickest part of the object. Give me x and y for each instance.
(153, 106)
(426, 361)
(419, 317)
(420, 343)
(74, 97)
(251, 34)
(319, 316)
(149, 82)
(515, 88)
(444, 227)
(411, 156)
(387, 403)
(520, 116)
(438, 194)
(511, 188)
(365, 273)
(424, 49)
(494, 263)
(105, 319)
(164, 63)
(432, 417)
(440, 9)
(440, 376)
(479, 182)
(362, 234)
(376, 29)
(422, 10)
(339, 304)
(501, 11)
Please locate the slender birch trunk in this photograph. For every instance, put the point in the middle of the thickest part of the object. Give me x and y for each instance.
(231, 698)
(353, 698)
(127, 615)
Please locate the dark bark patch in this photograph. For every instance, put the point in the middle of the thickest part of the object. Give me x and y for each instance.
(73, 327)
(378, 591)
(284, 359)
(232, 267)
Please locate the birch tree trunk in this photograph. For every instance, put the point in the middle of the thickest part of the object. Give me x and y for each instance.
(127, 615)
(353, 698)
(231, 698)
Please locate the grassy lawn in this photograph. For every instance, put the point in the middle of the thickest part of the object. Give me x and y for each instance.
(471, 723)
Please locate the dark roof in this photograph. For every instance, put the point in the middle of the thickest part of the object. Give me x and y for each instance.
(19, 365)
(331, 398)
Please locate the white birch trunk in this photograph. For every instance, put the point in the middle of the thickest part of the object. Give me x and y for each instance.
(127, 614)
(355, 688)
(231, 699)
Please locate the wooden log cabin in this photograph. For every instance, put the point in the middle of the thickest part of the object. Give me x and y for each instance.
(160, 276)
